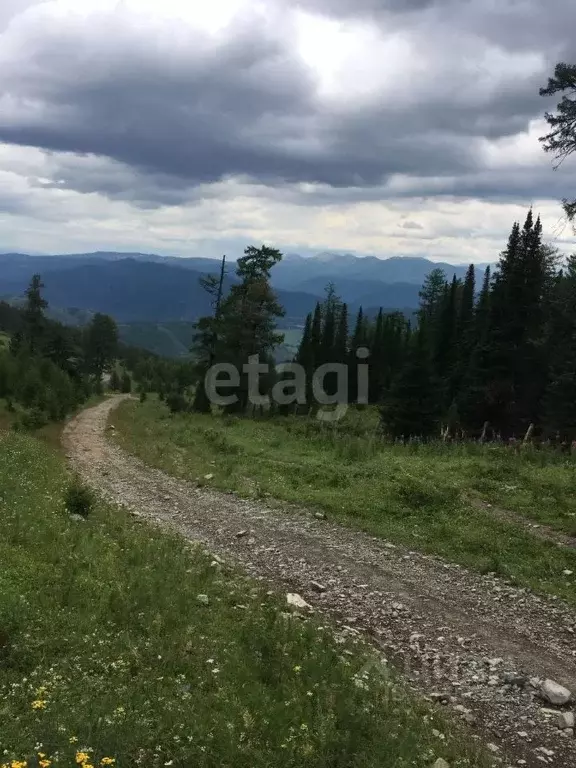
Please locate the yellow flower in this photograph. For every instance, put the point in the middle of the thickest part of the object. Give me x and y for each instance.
(107, 761)
(44, 763)
(39, 704)
(18, 764)
(82, 757)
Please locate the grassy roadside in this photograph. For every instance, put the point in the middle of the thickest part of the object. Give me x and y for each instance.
(120, 645)
(50, 433)
(414, 498)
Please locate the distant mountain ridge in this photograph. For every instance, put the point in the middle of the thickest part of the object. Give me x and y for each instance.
(294, 272)
(147, 289)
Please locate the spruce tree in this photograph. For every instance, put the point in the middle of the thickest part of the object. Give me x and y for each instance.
(34, 321)
(359, 339)
(304, 348)
(100, 345)
(446, 336)
(560, 398)
(341, 340)
(413, 406)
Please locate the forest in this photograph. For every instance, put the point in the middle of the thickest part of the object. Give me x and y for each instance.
(489, 361)
(48, 370)
(496, 360)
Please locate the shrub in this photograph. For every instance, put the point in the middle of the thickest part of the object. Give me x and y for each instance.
(126, 385)
(177, 403)
(79, 499)
(114, 383)
(32, 420)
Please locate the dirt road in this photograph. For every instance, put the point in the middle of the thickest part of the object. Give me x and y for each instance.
(473, 643)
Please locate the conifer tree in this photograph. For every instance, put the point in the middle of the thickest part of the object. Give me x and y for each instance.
(341, 340)
(33, 316)
(100, 345)
(360, 338)
(247, 320)
(445, 337)
(560, 398)
(304, 353)
(413, 406)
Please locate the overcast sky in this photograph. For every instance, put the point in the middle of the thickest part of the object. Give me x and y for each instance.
(193, 127)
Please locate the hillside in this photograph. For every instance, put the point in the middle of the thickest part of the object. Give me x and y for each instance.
(352, 549)
(392, 283)
(132, 290)
(155, 299)
(123, 645)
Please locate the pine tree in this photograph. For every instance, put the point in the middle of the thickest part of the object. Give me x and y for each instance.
(100, 345)
(359, 339)
(33, 316)
(445, 341)
(316, 336)
(330, 311)
(561, 140)
(205, 339)
(341, 340)
(304, 353)
(431, 294)
(246, 325)
(413, 406)
(560, 398)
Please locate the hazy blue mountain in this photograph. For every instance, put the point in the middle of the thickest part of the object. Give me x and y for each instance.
(133, 290)
(156, 299)
(294, 272)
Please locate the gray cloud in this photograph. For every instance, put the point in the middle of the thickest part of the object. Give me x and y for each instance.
(168, 112)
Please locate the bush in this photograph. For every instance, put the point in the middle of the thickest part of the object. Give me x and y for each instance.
(79, 499)
(114, 382)
(177, 403)
(32, 420)
(126, 385)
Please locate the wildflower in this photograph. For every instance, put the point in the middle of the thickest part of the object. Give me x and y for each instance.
(44, 763)
(297, 668)
(82, 757)
(39, 704)
(107, 761)
(73, 739)
(18, 764)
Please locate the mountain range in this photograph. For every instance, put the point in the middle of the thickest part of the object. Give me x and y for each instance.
(156, 298)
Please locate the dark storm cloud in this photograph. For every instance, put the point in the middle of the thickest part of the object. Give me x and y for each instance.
(175, 112)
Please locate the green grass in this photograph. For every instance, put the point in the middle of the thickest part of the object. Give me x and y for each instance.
(414, 496)
(106, 650)
(50, 433)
